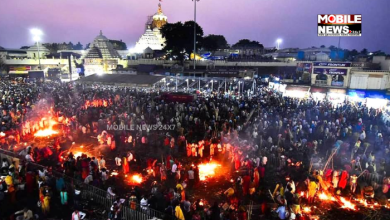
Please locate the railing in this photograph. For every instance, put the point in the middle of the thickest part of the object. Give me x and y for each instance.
(99, 196)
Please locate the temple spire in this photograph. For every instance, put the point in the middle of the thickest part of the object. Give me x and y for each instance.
(159, 8)
(101, 32)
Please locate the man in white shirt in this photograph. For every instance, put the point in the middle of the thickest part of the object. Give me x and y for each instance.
(174, 168)
(118, 162)
(88, 179)
(77, 215)
(102, 163)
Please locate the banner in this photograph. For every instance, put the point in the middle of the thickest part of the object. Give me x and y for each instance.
(330, 64)
(330, 71)
(232, 73)
(304, 67)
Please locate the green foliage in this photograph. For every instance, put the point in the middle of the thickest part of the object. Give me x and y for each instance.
(179, 38)
(214, 42)
(245, 43)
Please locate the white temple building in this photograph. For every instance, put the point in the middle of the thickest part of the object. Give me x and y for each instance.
(102, 48)
(152, 37)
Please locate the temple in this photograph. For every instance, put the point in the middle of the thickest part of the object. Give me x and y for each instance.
(102, 48)
(152, 37)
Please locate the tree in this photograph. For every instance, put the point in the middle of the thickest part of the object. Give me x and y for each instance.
(179, 38)
(353, 53)
(118, 45)
(364, 51)
(331, 47)
(70, 46)
(78, 46)
(87, 46)
(245, 43)
(24, 47)
(214, 42)
(322, 46)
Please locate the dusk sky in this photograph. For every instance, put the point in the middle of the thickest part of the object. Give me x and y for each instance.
(295, 21)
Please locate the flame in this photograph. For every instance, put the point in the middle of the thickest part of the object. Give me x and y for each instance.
(136, 178)
(306, 209)
(323, 196)
(2, 134)
(347, 204)
(45, 133)
(207, 170)
(77, 154)
(114, 173)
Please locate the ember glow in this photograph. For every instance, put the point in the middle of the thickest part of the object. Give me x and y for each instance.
(325, 197)
(347, 204)
(136, 178)
(207, 170)
(45, 133)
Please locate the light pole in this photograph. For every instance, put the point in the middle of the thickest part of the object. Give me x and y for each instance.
(279, 41)
(37, 38)
(187, 85)
(195, 33)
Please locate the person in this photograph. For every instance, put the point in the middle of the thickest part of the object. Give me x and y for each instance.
(102, 163)
(64, 196)
(191, 178)
(27, 214)
(215, 212)
(144, 203)
(179, 213)
(282, 212)
(118, 162)
(77, 215)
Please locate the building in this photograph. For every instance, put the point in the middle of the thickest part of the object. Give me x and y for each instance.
(152, 37)
(101, 57)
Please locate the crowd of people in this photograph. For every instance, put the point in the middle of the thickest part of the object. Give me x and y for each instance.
(274, 150)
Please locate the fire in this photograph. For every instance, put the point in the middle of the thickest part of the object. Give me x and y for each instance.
(347, 204)
(97, 103)
(2, 134)
(306, 209)
(48, 131)
(323, 196)
(136, 178)
(114, 173)
(207, 170)
(45, 133)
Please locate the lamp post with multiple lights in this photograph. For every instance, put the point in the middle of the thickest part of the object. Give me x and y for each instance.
(37, 38)
(195, 33)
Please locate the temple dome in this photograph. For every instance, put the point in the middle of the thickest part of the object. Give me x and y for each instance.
(101, 47)
(101, 36)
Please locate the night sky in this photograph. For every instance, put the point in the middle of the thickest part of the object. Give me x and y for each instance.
(295, 21)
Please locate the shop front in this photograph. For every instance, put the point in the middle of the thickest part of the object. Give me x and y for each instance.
(376, 99)
(355, 95)
(297, 91)
(336, 96)
(318, 93)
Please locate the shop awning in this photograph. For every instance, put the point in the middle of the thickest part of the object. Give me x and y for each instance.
(375, 94)
(298, 88)
(339, 91)
(354, 93)
(314, 89)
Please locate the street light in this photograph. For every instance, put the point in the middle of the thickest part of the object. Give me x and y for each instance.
(37, 38)
(195, 32)
(279, 41)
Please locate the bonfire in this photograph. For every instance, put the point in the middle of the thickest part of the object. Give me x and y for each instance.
(207, 170)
